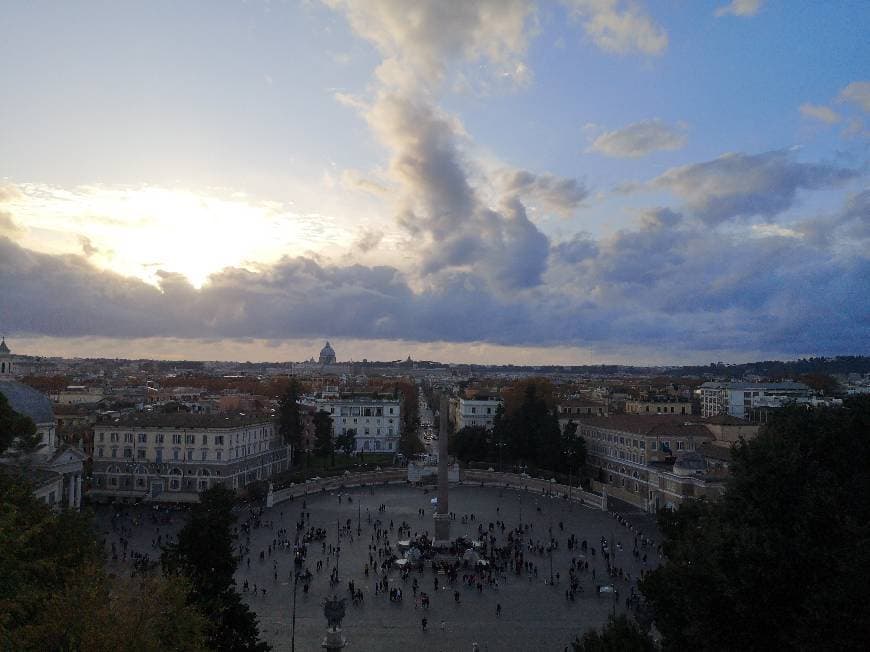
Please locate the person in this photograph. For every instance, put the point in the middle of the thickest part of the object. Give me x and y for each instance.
(425, 622)
(498, 609)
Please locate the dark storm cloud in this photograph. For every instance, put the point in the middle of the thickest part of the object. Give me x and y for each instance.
(666, 283)
(748, 185)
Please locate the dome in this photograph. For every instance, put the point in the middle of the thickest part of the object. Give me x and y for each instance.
(3, 347)
(327, 355)
(689, 464)
(28, 401)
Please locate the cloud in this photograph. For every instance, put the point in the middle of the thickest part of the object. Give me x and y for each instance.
(747, 185)
(619, 27)
(368, 240)
(666, 283)
(858, 92)
(8, 226)
(418, 40)
(820, 112)
(740, 8)
(640, 139)
(557, 194)
(9, 192)
(88, 248)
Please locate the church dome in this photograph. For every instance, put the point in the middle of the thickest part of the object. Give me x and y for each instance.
(26, 400)
(327, 354)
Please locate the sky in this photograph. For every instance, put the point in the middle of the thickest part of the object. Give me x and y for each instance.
(573, 181)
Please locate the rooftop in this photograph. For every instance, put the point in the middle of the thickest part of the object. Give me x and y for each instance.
(184, 420)
(652, 424)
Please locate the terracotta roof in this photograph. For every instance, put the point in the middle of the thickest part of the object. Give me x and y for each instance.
(652, 424)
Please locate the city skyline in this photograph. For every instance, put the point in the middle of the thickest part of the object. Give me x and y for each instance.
(494, 182)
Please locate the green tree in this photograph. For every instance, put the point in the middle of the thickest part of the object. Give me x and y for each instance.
(18, 428)
(204, 554)
(323, 441)
(346, 443)
(619, 635)
(782, 561)
(55, 595)
(290, 416)
(470, 443)
(574, 447)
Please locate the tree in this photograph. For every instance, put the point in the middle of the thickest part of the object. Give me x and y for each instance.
(346, 443)
(204, 554)
(471, 443)
(781, 562)
(323, 442)
(290, 416)
(619, 635)
(17, 428)
(55, 594)
(574, 447)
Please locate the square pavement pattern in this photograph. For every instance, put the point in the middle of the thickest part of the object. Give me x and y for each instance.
(535, 615)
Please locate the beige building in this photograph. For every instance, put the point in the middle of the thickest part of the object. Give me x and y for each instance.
(651, 461)
(634, 406)
(172, 457)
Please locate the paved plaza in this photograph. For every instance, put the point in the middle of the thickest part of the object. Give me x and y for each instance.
(535, 614)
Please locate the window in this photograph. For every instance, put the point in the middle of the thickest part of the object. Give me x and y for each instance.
(100, 451)
(113, 437)
(140, 454)
(219, 440)
(653, 446)
(474, 410)
(190, 439)
(205, 440)
(190, 455)
(143, 438)
(176, 454)
(219, 455)
(176, 439)
(204, 453)
(101, 437)
(114, 451)
(680, 445)
(158, 455)
(128, 452)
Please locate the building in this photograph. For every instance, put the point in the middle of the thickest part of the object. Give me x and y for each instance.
(375, 422)
(172, 457)
(635, 406)
(327, 355)
(651, 461)
(56, 471)
(478, 411)
(740, 399)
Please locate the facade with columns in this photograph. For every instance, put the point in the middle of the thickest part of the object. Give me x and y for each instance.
(55, 472)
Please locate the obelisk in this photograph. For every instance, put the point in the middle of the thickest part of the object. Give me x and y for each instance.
(442, 515)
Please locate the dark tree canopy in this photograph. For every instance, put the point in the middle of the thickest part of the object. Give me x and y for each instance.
(619, 635)
(782, 561)
(55, 594)
(290, 416)
(204, 554)
(323, 442)
(16, 426)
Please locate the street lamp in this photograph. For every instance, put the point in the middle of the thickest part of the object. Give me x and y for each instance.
(500, 445)
(358, 513)
(293, 617)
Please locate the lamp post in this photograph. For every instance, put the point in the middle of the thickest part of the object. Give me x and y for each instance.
(337, 546)
(358, 525)
(550, 546)
(293, 616)
(500, 445)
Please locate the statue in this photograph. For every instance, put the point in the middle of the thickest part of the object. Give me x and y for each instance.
(334, 611)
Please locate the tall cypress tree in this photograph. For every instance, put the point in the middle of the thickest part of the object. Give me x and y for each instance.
(204, 554)
(290, 416)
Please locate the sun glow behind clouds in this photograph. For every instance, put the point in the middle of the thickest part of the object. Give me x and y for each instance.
(137, 231)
